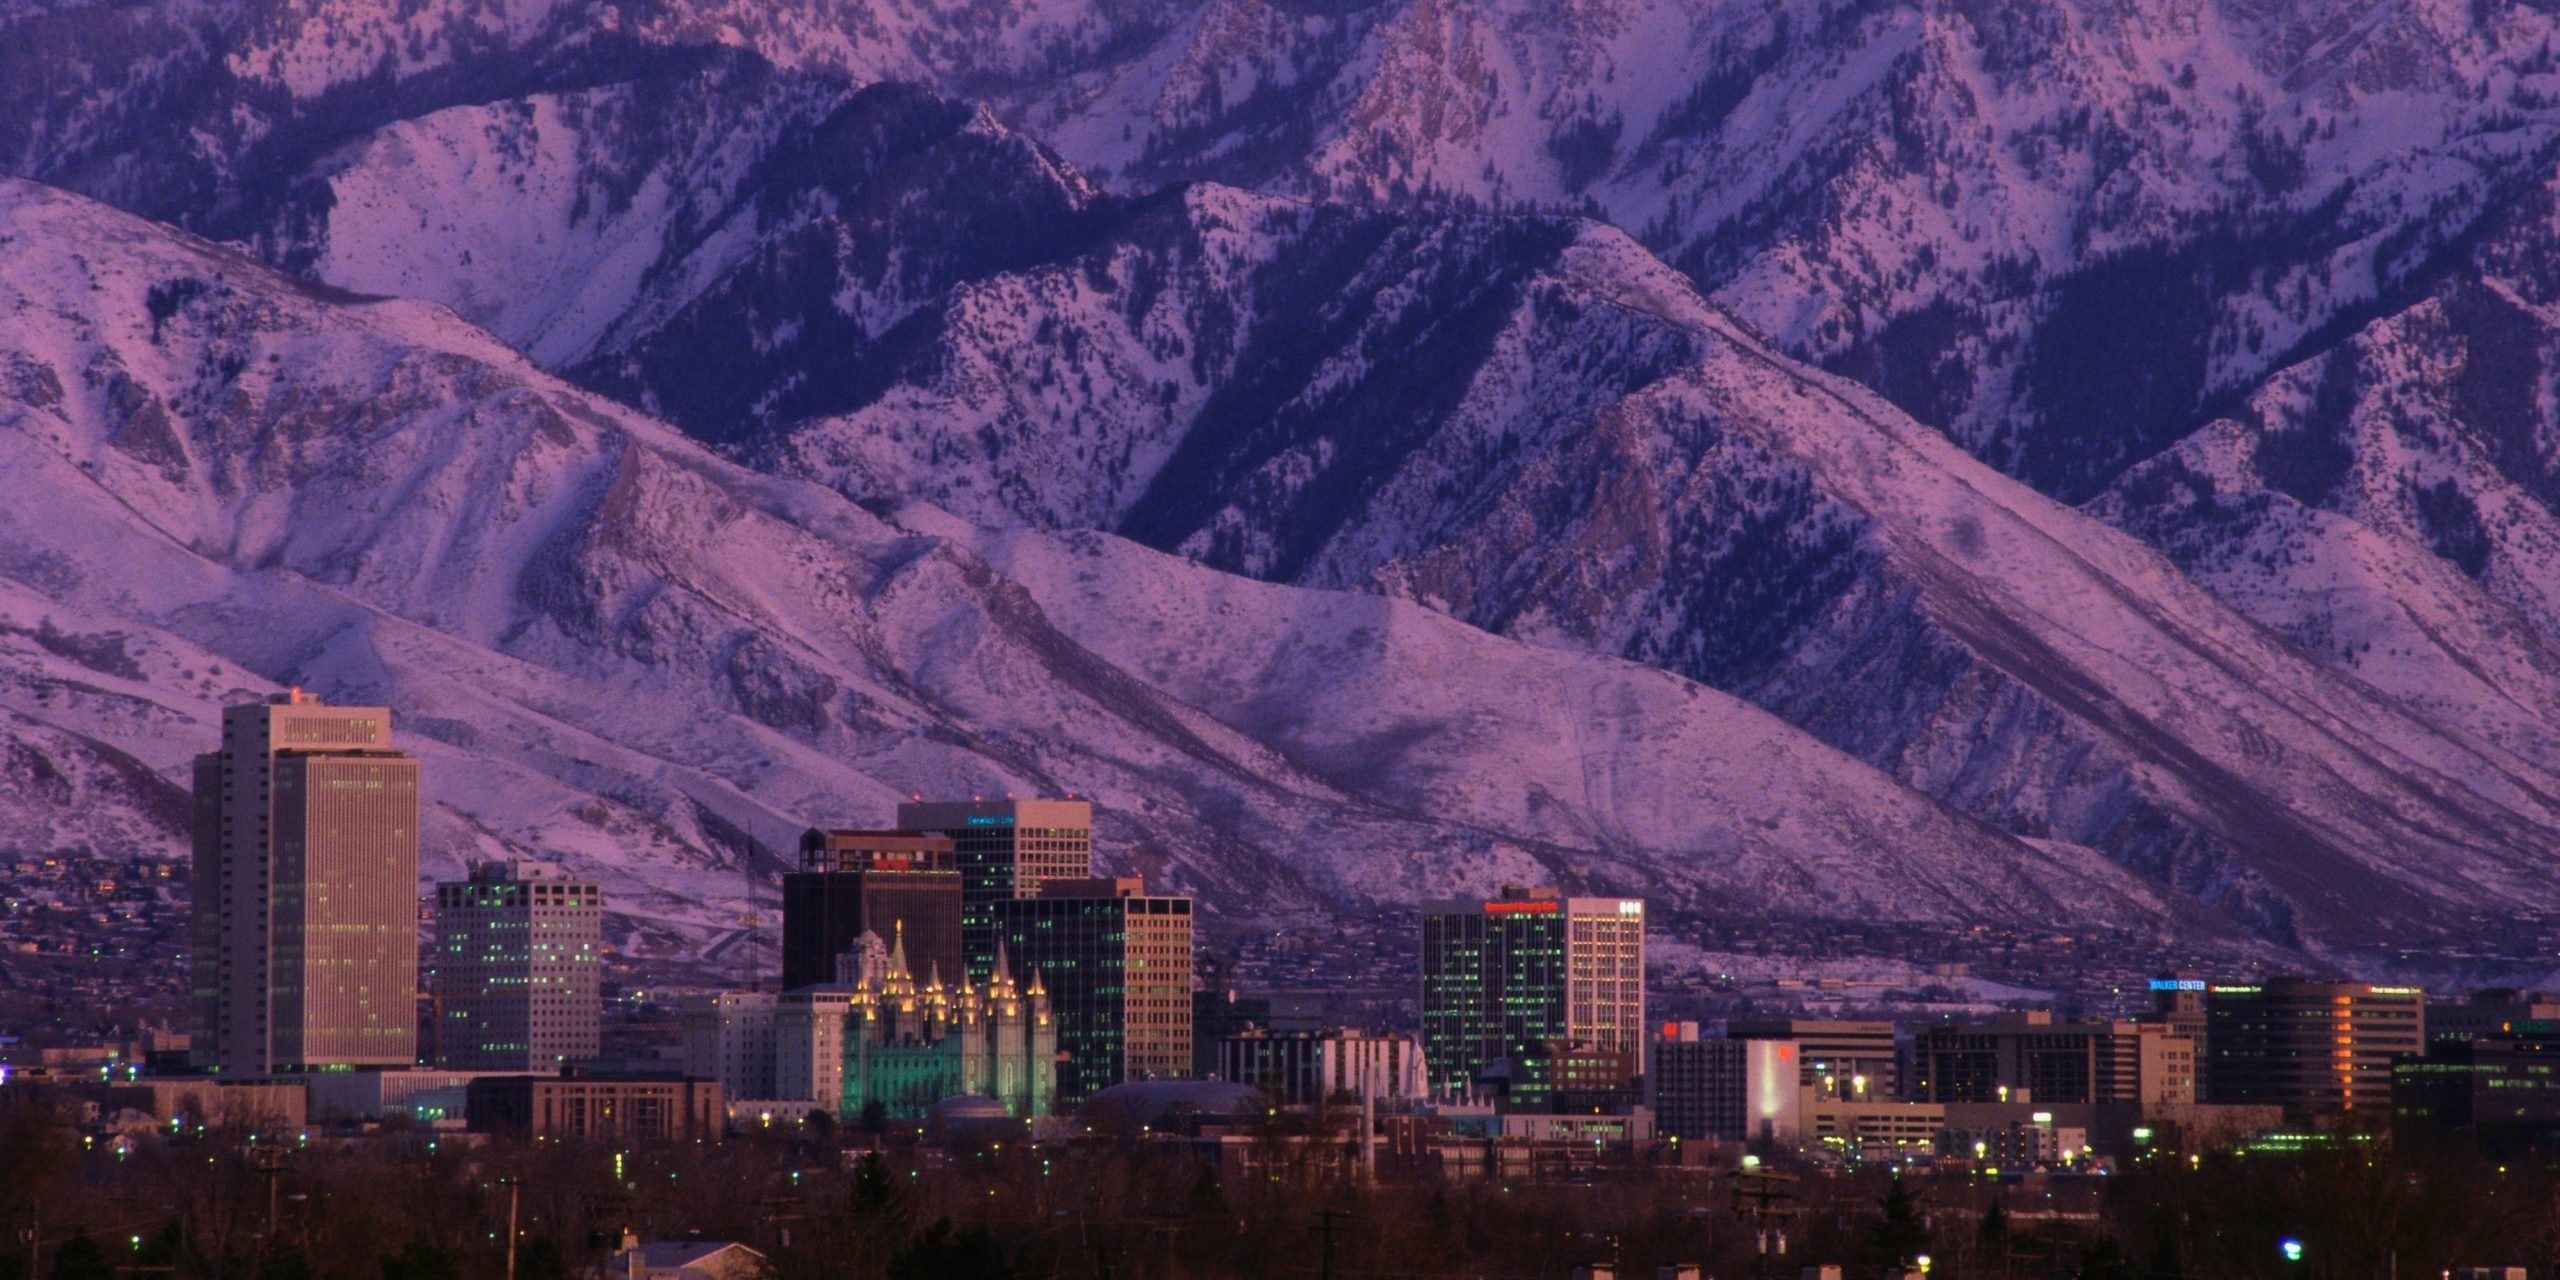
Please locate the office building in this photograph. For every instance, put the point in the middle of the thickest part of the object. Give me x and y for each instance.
(2498, 1011)
(884, 883)
(1336, 1066)
(518, 963)
(1729, 1090)
(1116, 962)
(731, 1037)
(597, 1108)
(2497, 1095)
(1567, 1077)
(2177, 1002)
(2028, 1057)
(2323, 1046)
(1502, 978)
(305, 937)
(1853, 1061)
(1005, 850)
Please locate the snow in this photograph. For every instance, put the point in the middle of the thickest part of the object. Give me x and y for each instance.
(610, 648)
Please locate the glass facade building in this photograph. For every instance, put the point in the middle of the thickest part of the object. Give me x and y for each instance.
(892, 884)
(1503, 979)
(1005, 849)
(1116, 963)
(2322, 1046)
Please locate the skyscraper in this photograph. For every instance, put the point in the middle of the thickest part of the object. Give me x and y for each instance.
(1116, 963)
(1005, 849)
(306, 891)
(518, 966)
(2311, 1045)
(1502, 979)
(893, 884)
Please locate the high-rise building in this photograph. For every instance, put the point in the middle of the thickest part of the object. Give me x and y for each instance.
(2028, 1057)
(1725, 1089)
(518, 967)
(891, 884)
(1218, 1011)
(1005, 850)
(1116, 962)
(1853, 1061)
(2309, 1045)
(1503, 979)
(306, 892)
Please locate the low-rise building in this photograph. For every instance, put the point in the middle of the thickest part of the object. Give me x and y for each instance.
(2499, 1095)
(579, 1107)
(1728, 1090)
(427, 1096)
(1854, 1061)
(1872, 1130)
(1330, 1066)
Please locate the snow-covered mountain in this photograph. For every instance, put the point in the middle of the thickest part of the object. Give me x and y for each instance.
(610, 646)
(2062, 232)
(719, 242)
(2393, 504)
(1536, 427)
(2260, 284)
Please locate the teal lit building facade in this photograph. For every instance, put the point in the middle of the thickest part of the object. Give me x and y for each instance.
(1510, 979)
(908, 1046)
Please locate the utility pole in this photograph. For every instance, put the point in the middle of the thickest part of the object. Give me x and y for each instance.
(269, 1164)
(1326, 1217)
(515, 1191)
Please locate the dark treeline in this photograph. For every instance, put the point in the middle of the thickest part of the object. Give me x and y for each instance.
(411, 1206)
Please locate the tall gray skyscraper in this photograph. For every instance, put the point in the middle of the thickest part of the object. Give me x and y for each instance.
(306, 891)
(519, 960)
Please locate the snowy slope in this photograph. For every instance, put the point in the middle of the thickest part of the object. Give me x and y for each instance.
(1536, 427)
(2393, 504)
(717, 241)
(2065, 233)
(611, 647)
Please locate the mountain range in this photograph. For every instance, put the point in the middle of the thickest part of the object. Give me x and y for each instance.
(2091, 462)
